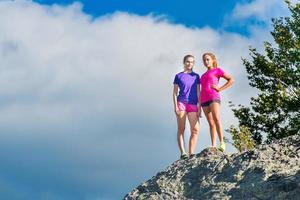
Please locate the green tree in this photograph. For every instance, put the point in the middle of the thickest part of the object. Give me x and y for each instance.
(274, 113)
(242, 139)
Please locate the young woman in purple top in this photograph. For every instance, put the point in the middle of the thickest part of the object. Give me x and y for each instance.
(210, 97)
(185, 97)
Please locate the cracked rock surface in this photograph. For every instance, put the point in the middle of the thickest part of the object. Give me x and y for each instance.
(267, 172)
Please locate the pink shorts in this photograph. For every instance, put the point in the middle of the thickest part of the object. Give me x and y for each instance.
(187, 107)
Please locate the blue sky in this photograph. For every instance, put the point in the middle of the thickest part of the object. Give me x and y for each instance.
(191, 13)
(86, 88)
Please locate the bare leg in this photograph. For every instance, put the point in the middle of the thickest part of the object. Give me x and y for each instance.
(211, 123)
(215, 110)
(194, 124)
(181, 119)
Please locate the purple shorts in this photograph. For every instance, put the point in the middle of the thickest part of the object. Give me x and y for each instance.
(187, 107)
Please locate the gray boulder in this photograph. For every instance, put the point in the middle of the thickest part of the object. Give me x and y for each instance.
(267, 172)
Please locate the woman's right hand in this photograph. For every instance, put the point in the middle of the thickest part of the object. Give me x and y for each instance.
(176, 111)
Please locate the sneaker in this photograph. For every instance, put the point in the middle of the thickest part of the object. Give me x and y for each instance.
(183, 156)
(222, 146)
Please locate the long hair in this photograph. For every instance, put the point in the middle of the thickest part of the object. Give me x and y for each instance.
(213, 57)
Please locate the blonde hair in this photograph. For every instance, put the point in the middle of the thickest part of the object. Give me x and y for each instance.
(213, 57)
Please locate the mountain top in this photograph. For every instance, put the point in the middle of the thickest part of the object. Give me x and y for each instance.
(271, 171)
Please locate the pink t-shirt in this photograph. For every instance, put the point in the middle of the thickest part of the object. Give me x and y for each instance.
(210, 77)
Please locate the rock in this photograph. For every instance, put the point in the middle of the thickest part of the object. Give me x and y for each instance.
(267, 172)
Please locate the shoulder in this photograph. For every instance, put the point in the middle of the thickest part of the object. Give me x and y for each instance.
(220, 69)
(203, 74)
(179, 76)
(179, 73)
(195, 74)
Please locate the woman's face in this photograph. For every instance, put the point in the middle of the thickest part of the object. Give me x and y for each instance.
(208, 61)
(189, 63)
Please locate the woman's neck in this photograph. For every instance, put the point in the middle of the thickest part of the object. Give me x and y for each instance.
(210, 67)
(187, 71)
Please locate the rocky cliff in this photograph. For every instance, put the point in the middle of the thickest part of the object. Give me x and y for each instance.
(267, 172)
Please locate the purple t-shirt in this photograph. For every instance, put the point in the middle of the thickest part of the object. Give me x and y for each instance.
(210, 77)
(187, 83)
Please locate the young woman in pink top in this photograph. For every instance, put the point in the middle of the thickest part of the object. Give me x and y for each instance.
(210, 96)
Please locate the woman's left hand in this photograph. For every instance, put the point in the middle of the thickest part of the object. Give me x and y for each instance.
(199, 114)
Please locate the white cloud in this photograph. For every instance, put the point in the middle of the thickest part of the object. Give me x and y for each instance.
(261, 10)
(58, 60)
(98, 92)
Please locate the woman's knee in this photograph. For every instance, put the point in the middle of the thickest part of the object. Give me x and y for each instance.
(181, 129)
(211, 123)
(217, 121)
(195, 130)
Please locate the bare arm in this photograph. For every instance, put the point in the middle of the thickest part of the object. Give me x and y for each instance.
(229, 82)
(175, 92)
